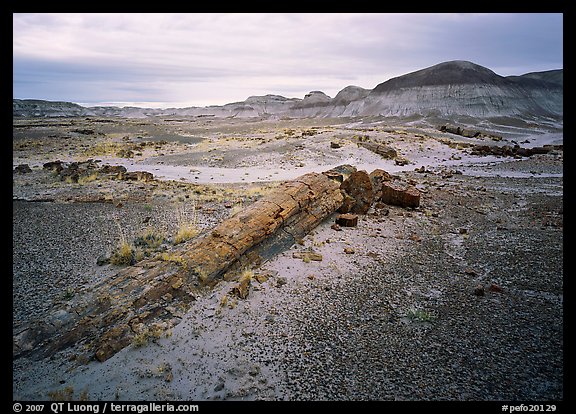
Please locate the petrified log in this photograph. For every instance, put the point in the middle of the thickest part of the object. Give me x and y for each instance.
(508, 151)
(384, 151)
(296, 207)
(143, 298)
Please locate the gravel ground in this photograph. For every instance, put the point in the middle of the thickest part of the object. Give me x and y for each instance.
(460, 299)
(411, 328)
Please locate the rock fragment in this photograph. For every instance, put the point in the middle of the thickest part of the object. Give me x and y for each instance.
(383, 150)
(359, 187)
(398, 194)
(347, 220)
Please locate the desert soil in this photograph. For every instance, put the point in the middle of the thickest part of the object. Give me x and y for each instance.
(458, 299)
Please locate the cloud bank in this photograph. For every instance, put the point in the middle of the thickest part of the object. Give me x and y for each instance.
(201, 59)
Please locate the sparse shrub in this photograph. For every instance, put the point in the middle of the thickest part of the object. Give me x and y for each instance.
(150, 239)
(64, 394)
(186, 231)
(124, 254)
(187, 226)
(148, 334)
(84, 179)
(420, 315)
(69, 293)
(174, 258)
(241, 290)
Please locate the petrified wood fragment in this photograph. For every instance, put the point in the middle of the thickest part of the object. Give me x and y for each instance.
(399, 194)
(347, 220)
(384, 151)
(359, 187)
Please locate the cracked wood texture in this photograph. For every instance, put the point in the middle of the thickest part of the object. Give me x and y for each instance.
(152, 296)
(296, 207)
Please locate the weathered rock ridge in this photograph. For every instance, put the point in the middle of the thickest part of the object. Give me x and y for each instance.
(455, 88)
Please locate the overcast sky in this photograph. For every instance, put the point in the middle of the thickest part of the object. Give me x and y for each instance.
(160, 60)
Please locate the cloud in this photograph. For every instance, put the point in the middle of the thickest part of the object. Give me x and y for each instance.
(224, 57)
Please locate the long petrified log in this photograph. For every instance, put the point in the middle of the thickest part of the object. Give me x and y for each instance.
(296, 207)
(383, 150)
(152, 295)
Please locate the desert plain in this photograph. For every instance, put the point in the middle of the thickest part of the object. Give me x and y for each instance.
(459, 298)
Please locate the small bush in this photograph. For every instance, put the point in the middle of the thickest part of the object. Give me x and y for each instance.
(84, 179)
(147, 335)
(150, 239)
(124, 254)
(186, 231)
(420, 315)
(173, 258)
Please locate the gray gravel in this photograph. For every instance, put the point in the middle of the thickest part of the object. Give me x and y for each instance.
(361, 337)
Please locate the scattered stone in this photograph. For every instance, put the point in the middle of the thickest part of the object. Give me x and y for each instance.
(347, 220)
(177, 284)
(335, 145)
(103, 259)
(84, 131)
(242, 289)
(53, 166)
(336, 227)
(415, 237)
(401, 161)
(22, 169)
(125, 153)
(307, 256)
(254, 370)
(479, 290)
(136, 176)
(281, 281)
(340, 173)
(349, 250)
(494, 288)
(219, 386)
(112, 169)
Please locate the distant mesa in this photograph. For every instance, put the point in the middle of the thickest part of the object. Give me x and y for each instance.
(448, 89)
(456, 72)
